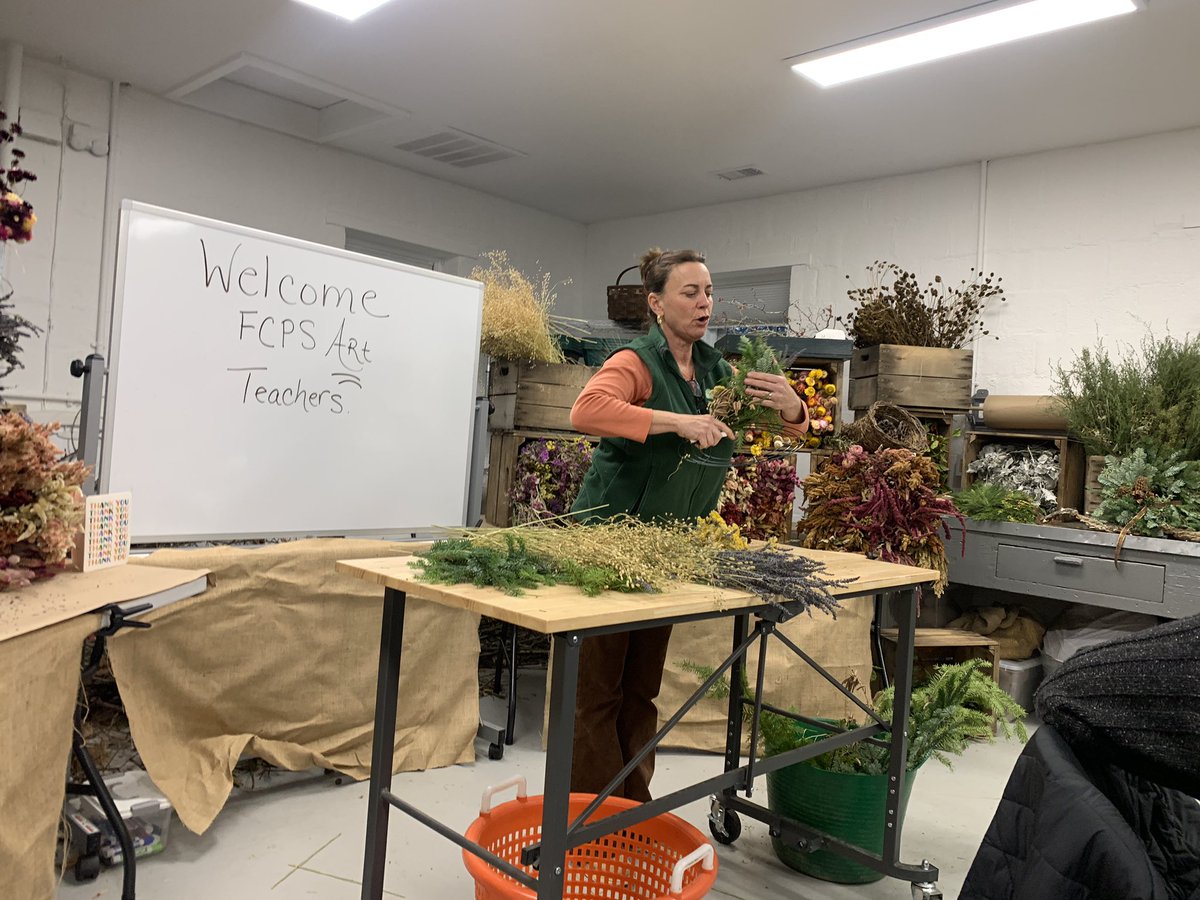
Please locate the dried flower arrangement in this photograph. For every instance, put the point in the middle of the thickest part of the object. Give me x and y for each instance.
(886, 503)
(16, 224)
(1029, 468)
(517, 323)
(819, 394)
(547, 477)
(623, 555)
(895, 309)
(40, 503)
(758, 497)
(1148, 398)
(16, 215)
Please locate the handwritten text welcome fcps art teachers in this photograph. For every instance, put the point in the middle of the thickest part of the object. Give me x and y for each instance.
(287, 320)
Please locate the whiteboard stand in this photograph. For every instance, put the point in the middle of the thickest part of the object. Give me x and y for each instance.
(262, 386)
(91, 370)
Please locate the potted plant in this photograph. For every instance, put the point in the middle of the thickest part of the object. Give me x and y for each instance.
(912, 343)
(843, 792)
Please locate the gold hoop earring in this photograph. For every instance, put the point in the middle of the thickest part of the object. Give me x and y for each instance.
(660, 318)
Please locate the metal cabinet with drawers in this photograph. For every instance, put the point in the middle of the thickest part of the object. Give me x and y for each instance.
(1160, 577)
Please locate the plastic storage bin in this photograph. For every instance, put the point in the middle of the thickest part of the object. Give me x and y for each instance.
(663, 858)
(1019, 678)
(144, 809)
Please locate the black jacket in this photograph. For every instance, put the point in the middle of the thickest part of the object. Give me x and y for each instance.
(1066, 830)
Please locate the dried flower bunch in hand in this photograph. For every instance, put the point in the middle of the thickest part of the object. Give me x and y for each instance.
(895, 309)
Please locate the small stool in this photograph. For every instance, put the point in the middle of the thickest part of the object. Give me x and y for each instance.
(936, 646)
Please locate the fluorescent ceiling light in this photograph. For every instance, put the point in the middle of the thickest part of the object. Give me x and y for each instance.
(347, 9)
(982, 25)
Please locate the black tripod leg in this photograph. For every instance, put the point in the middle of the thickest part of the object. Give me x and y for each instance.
(104, 797)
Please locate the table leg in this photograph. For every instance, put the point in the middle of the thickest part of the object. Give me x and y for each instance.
(387, 689)
(897, 766)
(557, 791)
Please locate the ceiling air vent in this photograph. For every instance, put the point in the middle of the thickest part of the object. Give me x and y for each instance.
(739, 174)
(458, 149)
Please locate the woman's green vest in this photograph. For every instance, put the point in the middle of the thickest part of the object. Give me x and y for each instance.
(660, 479)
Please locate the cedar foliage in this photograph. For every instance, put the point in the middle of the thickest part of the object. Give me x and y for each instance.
(955, 708)
(1149, 397)
(732, 405)
(1149, 496)
(986, 501)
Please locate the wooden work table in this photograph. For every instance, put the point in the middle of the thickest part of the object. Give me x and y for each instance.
(570, 616)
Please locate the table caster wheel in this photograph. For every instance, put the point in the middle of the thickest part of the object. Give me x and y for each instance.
(729, 829)
(87, 868)
(495, 751)
(926, 890)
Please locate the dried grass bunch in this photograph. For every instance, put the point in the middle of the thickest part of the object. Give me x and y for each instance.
(626, 554)
(40, 503)
(516, 312)
(895, 309)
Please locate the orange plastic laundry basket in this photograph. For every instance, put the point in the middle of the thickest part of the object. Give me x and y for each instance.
(636, 863)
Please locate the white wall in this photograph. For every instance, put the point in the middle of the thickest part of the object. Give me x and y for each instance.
(1093, 242)
(178, 157)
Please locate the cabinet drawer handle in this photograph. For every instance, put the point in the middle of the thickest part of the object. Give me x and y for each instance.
(1069, 561)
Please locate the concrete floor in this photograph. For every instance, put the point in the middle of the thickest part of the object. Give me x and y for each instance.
(304, 839)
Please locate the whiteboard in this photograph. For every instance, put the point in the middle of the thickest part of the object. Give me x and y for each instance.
(265, 386)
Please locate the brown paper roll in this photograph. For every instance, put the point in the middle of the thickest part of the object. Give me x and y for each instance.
(1021, 413)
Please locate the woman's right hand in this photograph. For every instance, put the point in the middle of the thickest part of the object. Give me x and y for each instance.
(703, 431)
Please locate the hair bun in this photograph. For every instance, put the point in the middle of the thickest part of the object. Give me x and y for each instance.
(649, 259)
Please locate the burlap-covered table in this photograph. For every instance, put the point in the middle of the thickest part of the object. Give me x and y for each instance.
(278, 660)
(40, 675)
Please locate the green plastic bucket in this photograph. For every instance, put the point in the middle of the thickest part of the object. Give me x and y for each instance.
(846, 806)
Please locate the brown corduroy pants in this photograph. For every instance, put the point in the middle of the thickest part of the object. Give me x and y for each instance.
(615, 716)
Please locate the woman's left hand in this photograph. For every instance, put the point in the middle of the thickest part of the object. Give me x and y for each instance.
(774, 391)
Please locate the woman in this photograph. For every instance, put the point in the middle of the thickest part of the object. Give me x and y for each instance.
(648, 404)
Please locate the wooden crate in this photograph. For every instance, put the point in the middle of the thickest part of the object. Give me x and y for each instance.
(502, 461)
(837, 377)
(940, 646)
(926, 378)
(1091, 484)
(536, 396)
(1072, 462)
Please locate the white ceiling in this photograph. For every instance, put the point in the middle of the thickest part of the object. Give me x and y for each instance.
(628, 107)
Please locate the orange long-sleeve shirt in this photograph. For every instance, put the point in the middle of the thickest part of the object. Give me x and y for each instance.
(613, 404)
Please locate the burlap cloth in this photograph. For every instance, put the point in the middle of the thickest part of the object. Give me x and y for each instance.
(842, 646)
(278, 660)
(1019, 635)
(39, 672)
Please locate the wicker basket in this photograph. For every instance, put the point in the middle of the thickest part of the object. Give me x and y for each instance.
(627, 303)
(886, 426)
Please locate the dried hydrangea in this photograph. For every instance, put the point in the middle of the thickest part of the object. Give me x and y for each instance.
(1030, 469)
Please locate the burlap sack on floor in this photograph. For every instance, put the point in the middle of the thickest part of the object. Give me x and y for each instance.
(842, 646)
(278, 660)
(39, 672)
